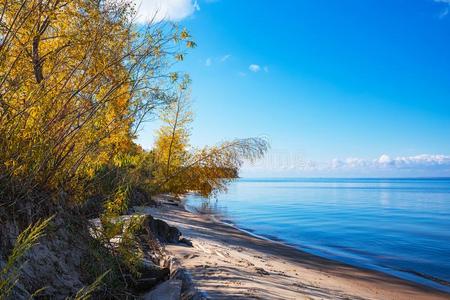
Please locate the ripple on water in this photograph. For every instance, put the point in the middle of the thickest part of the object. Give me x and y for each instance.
(398, 226)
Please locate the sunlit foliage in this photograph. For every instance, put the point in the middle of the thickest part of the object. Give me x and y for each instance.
(172, 142)
(77, 78)
(180, 169)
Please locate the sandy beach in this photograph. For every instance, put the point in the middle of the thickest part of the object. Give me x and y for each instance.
(227, 263)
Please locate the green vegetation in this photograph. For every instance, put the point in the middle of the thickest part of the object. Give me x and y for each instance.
(27, 238)
(78, 79)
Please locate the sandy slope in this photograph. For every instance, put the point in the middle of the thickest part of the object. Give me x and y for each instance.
(227, 263)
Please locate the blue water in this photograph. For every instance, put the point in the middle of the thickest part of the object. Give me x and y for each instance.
(398, 226)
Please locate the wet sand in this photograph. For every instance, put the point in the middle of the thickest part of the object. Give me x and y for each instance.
(227, 263)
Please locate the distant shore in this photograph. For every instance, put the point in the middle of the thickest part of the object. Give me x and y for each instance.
(226, 262)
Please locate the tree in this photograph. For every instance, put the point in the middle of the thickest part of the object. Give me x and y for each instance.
(172, 140)
(207, 170)
(77, 79)
(173, 137)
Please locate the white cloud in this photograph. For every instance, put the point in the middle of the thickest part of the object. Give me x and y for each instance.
(266, 69)
(336, 163)
(254, 68)
(422, 160)
(400, 162)
(225, 58)
(167, 10)
(384, 159)
(286, 163)
(242, 74)
(221, 59)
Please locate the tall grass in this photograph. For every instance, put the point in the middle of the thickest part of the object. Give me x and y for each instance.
(29, 237)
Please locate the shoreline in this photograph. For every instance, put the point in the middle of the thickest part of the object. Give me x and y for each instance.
(227, 262)
(410, 276)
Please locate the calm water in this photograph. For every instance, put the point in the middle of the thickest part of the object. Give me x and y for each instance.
(398, 226)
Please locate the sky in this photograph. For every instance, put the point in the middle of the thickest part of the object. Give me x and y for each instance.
(340, 88)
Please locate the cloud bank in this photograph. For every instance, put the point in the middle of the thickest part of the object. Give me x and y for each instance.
(401, 162)
(291, 164)
(165, 10)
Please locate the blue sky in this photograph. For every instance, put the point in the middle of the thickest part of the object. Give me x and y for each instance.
(340, 88)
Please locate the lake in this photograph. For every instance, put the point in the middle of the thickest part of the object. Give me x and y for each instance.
(397, 226)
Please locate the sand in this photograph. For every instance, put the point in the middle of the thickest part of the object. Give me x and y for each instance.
(227, 263)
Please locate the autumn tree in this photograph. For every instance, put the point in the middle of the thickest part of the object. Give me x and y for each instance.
(77, 79)
(181, 168)
(172, 139)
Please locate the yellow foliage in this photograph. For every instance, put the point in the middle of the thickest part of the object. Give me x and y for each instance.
(76, 80)
(173, 140)
(179, 169)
